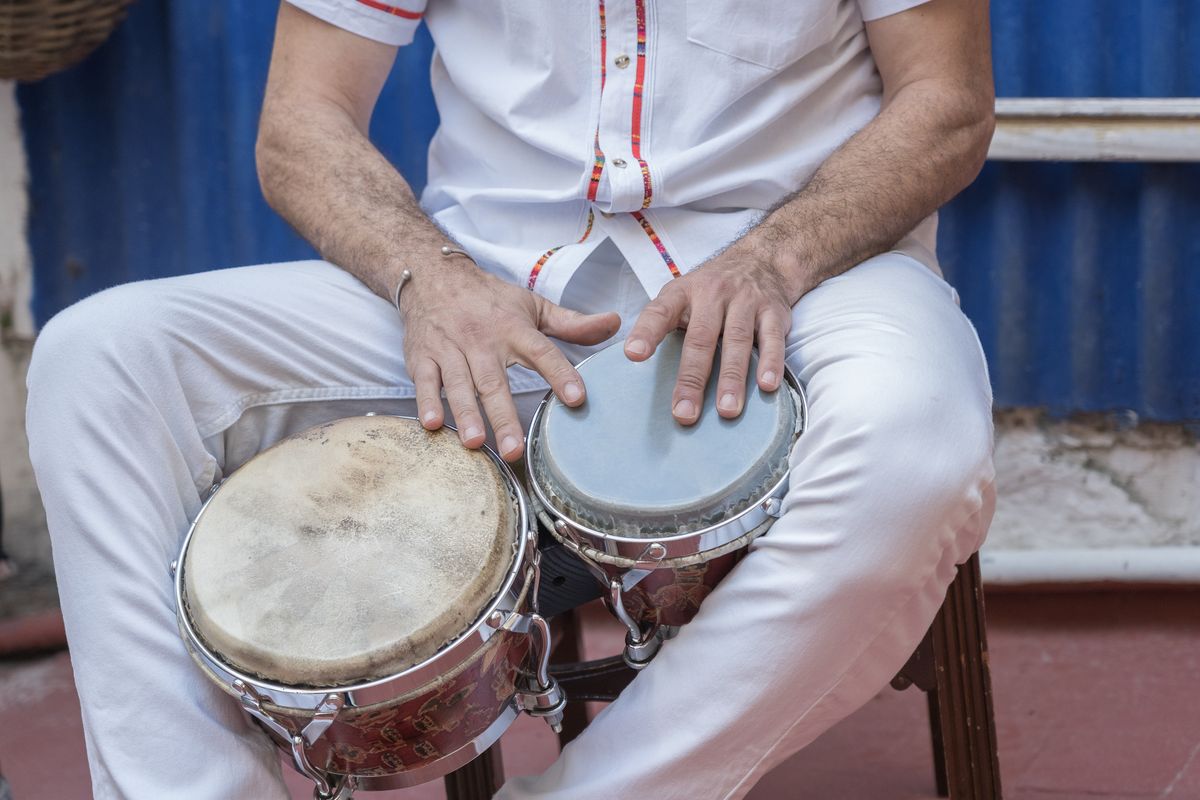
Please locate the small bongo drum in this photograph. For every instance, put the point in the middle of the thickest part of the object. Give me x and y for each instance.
(658, 511)
(366, 590)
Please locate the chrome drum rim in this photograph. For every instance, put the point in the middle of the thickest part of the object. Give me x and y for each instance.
(650, 552)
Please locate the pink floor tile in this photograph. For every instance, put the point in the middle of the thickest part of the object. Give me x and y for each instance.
(1096, 698)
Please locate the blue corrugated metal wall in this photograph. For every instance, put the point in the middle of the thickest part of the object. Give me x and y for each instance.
(142, 158)
(1084, 280)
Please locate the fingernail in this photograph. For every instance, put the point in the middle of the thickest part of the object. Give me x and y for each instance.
(428, 417)
(510, 444)
(685, 409)
(769, 377)
(636, 347)
(472, 433)
(572, 392)
(728, 402)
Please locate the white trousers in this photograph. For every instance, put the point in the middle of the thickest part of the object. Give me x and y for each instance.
(144, 395)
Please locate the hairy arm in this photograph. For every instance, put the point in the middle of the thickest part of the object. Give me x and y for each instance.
(463, 327)
(928, 142)
(318, 168)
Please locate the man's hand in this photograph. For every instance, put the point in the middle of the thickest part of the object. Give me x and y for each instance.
(928, 142)
(464, 328)
(734, 297)
(318, 169)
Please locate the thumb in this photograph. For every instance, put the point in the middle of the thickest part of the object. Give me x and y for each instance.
(571, 326)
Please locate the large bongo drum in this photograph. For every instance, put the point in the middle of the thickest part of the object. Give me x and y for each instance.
(659, 512)
(366, 590)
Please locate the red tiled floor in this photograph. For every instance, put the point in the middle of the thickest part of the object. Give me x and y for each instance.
(1096, 694)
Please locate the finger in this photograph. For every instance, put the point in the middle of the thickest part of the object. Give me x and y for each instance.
(460, 393)
(737, 340)
(660, 316)
(428, 380)
(695, 363)
(572, 326)
(773, 327)
(539, 353)
(491, 381)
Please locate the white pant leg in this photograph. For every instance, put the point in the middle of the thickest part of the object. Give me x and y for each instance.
(138, 399)
(891, 486)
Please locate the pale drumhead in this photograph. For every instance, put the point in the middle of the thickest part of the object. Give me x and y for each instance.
(622, 465)
(349, 552)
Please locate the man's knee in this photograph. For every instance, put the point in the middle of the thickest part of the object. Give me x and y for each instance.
(94, 347)
(910, 455)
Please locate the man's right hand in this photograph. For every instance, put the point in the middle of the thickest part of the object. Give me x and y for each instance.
(465, 327)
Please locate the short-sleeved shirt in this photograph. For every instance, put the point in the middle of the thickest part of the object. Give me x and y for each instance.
(667, 126)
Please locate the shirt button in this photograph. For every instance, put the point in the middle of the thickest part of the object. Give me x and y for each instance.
(619, 163)
(622, 61)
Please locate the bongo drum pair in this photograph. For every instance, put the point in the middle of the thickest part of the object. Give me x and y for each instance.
(368, 590)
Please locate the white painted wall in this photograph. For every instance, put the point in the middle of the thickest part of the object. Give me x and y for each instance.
(1062, 485)
(1087, 483)
(24, 523)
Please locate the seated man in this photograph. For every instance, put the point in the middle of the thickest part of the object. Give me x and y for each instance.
(763, 174)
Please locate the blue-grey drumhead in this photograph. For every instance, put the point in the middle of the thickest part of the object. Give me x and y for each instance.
(622, 465)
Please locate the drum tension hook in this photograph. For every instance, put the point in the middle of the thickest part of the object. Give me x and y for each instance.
(640, 645)
(327, 787)
(545, 697)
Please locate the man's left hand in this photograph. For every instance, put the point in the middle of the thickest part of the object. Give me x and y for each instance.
(738, 297)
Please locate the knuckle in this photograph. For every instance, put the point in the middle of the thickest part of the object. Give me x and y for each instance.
(702, 334)
(690, 382)
(541, 349)
(656, 311)
(733, 374)
(738, 333)
(472, 329)
(490, 384)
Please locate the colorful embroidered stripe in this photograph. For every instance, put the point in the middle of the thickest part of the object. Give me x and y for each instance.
(541, 262)
(662, 250)
(639, 83)
(598, 163)
(395, 11)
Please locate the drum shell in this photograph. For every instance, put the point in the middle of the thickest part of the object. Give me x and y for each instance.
(416, 731)
(672, 595)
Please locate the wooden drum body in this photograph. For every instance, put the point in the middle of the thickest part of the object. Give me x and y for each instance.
(659, 512)
(366, 590)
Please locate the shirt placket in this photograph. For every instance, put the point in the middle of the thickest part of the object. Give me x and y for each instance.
(625, 182)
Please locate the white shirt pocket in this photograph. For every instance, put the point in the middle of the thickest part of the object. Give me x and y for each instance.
(770, 33)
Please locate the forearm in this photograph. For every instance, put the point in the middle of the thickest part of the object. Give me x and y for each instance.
(928, 143)
(322, 174)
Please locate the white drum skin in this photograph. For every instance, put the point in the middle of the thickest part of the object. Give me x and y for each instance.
(447, 697)
(659, 512)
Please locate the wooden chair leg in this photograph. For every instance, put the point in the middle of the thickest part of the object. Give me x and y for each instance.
(964, 691)
(939, 752)
(570, 650)
(478, 780)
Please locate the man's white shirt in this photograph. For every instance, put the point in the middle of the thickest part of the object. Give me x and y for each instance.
(667, 126)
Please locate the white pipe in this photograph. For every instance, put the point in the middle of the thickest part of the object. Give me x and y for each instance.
(1096, 129)
(1165, 565)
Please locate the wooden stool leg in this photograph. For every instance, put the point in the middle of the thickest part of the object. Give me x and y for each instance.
(939, 752)
(570, 650)
(964, 690)
(478, 780)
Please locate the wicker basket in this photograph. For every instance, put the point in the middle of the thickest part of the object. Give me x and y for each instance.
(39, 37)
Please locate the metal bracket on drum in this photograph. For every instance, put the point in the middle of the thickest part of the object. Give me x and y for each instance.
(326, 786)
(641, 645)
(543, 697)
